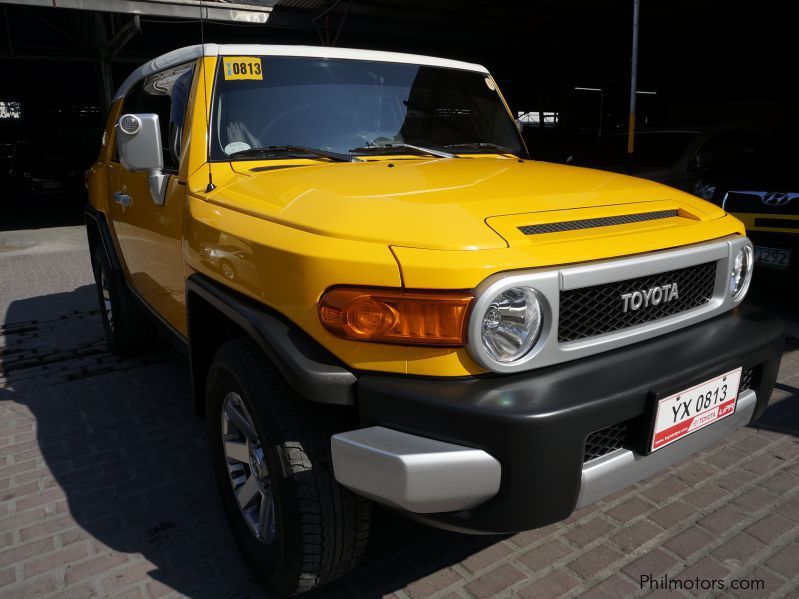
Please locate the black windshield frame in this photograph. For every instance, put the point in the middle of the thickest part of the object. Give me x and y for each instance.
(497, 116)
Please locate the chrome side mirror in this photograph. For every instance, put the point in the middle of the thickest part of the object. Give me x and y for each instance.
(139, 147)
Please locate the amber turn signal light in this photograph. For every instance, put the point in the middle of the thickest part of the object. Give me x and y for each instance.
(435, 318)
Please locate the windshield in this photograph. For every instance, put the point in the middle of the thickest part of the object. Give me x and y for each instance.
(344, 105)
(652, 150)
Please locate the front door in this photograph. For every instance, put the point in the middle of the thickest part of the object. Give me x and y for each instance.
(149, 234)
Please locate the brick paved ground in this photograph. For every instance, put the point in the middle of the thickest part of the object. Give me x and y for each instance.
(105, 488)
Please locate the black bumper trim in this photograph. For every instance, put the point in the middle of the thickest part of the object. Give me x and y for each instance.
(536, 423)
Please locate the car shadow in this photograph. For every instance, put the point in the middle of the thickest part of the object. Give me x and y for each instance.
(129, 462)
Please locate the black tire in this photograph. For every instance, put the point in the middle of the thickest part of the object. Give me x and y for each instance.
(128, 330)
(320, 528)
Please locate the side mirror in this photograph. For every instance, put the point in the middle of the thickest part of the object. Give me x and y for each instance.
(139, 147)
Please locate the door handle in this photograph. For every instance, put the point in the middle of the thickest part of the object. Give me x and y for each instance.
(122, 199)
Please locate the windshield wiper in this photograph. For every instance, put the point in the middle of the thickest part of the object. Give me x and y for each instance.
(417, 149)
(485, 146)
(273, 150)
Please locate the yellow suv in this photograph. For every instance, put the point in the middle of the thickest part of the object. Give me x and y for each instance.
(382, 298)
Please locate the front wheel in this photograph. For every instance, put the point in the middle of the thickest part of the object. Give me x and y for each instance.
(296, 527)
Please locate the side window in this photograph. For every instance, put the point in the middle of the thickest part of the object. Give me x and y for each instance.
(165, 94)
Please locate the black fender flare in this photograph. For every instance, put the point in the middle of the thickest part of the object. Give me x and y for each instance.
(313, 372)
(96, 220)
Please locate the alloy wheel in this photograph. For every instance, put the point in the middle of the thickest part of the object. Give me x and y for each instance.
(106, 294)
(247, 469)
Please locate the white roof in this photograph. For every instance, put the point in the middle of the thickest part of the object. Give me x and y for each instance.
(189, 53)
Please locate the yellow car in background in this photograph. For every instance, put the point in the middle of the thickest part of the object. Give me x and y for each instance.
(382, 298)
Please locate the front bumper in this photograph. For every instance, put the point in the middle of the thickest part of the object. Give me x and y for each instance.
(529, 430)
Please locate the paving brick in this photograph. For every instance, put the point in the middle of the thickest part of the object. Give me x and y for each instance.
(16, 554)
(588, 532)
(652, 564)
(790, 509)
(725, 458)
(55, 560)
(751, 443)
(46, 527)
(595, 560)
(696, 471)
(433, 583)
(770, 528)
(38, 499)
(735, 479)
(689, 542)
(102, 563)
(632, 536)
(486, 557)
(555, 584)
(126, 576)
(755, 499)
(495, 581)
(785, 561)
(629, 509)
(723, 519)
(781, 482)
(673, 514)
(706, 495)
(38, 587)
(666, 489)
(7, 576)
(613, 587)
(762, 463)
(741, 548)
(545, 555)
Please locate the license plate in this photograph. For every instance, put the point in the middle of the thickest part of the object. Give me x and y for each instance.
(688, 411)
(51, 184)
(773, 257)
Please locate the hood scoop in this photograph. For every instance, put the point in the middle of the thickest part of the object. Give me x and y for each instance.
(592, 223)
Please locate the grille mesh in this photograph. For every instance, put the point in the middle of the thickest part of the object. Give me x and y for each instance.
(747, 379)
(597, 310)
(591, 223)
(608, 439)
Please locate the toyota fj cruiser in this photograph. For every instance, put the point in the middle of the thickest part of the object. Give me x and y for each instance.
(382, 298)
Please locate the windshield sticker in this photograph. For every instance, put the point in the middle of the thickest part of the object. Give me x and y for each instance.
(236, 146)
(242, 67)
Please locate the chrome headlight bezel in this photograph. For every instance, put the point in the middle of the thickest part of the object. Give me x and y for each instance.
(524, 298)
(747, 254)
(543, 285)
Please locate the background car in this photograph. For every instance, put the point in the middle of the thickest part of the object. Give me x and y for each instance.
(42, 169)
(673, 157)
(762, 190)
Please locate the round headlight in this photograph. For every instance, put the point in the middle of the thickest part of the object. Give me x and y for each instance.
(511, 324)
(741, 272)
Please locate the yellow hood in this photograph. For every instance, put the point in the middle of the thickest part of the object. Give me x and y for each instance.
(448, 204)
